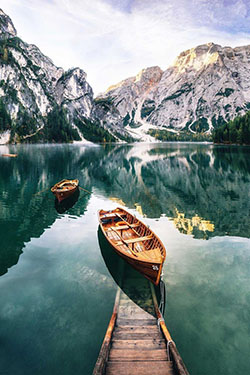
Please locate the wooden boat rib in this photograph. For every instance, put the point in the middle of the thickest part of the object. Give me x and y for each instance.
(64, 189)
(134, 241)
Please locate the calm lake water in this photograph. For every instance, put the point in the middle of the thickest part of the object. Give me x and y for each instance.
(56, 291)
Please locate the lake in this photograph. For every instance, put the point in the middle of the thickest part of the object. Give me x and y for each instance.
(56, 291)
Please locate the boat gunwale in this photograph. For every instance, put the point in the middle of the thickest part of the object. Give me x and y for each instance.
(132, 256)
(55, 187)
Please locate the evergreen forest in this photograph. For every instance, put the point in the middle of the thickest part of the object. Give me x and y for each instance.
(236, 131)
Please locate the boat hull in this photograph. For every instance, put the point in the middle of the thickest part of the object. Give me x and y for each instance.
(150, 268)
(67, 203)
(64, 189)
(60, 196)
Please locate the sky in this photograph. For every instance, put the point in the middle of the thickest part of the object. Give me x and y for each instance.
(112, 40)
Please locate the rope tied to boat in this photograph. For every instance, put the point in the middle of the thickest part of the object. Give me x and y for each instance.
(163, 297)
(84, 189)
(168, 351)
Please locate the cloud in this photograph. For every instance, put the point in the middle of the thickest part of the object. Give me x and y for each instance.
(112, 40)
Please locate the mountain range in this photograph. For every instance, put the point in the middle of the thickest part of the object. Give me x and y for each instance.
(205, 87)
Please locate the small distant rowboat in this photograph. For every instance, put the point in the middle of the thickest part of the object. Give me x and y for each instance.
(134, 241)
(10, 155)
(64, 189)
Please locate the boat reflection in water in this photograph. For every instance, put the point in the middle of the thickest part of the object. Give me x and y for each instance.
(67, 203)
(132, 283)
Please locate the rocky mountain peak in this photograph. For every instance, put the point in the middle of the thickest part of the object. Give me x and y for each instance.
(153, 73)
(206, 86)
(148, 76)
(199, 57)
(6, 25)
(72, 87)
(42, 100)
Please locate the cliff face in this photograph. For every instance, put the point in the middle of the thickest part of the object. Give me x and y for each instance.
(32, 88)
(31, 85)
(39, 101)
(205, 86)
(6, 26)
(130, 101)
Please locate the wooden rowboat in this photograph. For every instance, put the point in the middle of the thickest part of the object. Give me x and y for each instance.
(134, 241)
(64, 189)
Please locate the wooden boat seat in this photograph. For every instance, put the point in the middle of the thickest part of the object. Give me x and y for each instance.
(133, 240)
(120, 227)
(108, 215)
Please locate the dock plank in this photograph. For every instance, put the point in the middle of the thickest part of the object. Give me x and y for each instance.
(134, 355)
(140, 368)
(137, 329)
(136, 336)
(139, 344)
(135, 322)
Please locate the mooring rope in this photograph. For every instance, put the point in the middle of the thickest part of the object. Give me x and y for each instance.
(42, 191)
(84, 190)
(163, 297)
(168, 351)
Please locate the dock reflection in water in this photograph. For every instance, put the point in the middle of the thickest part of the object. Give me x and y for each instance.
(137, 339)
(131, 282)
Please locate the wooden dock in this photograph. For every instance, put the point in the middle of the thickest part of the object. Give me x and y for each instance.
(137, 341)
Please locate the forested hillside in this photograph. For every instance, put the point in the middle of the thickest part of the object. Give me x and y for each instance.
(234, 131)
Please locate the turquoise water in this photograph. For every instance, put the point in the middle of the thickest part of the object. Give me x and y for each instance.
(56, 290)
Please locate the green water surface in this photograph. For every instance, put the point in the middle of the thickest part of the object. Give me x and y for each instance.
(56, 290)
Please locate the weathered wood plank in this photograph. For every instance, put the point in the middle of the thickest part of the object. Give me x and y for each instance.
(136, 239)
(121, 227)
(174, 354)
(142, 355)
(134, 316)
(104, 351)
(135, 322)
(132, 307)
(139, 344)
(129, 311)
(136, 336)
(139, 368)
(138, 329)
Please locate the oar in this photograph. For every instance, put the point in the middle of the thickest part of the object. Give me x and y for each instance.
(120, 217)
(42, 191)
(125, 243)
(84, 190)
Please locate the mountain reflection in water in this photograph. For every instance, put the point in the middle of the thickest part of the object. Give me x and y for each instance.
(67, 203)
(204, 189)
(58, 296)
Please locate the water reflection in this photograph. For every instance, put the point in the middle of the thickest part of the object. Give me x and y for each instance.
(194, 225)
(67, 203)
(204, 189)
(26, 203)
(203, 181)
(132, 283)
